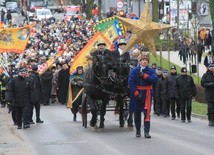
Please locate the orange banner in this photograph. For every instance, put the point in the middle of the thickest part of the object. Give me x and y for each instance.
(45, 66)
(14, 39)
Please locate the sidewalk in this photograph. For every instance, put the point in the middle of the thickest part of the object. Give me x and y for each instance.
(12, 141)
(174, 58)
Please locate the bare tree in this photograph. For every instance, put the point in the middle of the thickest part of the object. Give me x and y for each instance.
(155, 12)
(212, 11)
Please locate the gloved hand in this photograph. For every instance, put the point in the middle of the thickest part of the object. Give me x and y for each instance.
(138, 98)
(143, 75)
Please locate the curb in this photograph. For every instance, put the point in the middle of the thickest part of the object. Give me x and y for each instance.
(204, 117)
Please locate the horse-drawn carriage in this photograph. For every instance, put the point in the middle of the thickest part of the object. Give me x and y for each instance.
(106, 79)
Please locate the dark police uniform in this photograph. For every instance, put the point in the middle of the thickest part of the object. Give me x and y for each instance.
(22, 96)
(186, 90)
(207, 82)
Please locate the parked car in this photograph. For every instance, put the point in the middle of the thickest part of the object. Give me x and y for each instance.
(12, 6)
(43, 13)
(72, 12)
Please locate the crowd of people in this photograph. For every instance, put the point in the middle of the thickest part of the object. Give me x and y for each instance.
(22, 87)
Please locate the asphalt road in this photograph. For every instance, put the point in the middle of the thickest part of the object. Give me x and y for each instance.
(59, 135)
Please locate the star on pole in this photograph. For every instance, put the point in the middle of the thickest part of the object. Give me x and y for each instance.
(143, 30)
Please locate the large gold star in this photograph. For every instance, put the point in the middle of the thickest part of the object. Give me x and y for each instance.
(143, 30)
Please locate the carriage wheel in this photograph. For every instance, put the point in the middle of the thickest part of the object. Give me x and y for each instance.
(84, 112)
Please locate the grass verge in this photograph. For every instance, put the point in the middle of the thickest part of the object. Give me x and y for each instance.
(199, 108)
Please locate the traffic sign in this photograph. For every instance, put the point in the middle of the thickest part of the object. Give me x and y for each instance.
(119, 4)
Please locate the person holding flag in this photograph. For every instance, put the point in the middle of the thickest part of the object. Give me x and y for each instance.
(140, 82)
(76, 81)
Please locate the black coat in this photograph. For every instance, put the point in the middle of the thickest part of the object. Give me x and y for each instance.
(106, 55)
(63, 82)
(160, 89)
(37, 92)
(185, 86)
(22, 91)
(124, 58)
(163, 89)
(207, 82)
(171, 89)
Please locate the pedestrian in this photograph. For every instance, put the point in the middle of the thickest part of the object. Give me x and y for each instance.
(209, 59)
(8, 97)
(62, 83)
(46, 83)
(186, 91)
(54, 84)
(76, 81)
(200, 51)
(163, 94)
(172, 92)
(207, 82)
(22, 96)
(2, 15)
(37, 94)
(3, 83)
(157, 92)
(9, 17)
(154, 66)
(140, 82)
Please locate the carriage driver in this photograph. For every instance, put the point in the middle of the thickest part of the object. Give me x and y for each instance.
(140, 82)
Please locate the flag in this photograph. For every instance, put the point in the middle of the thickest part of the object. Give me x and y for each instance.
(110, 27)
(45, 66)
(14, 39)
(81, 60)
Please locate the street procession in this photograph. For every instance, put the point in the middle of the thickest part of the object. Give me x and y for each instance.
(107, 77)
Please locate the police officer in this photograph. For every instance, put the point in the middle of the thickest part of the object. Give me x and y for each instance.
(163, 95)
(37, 94)
(140, 82)
(157, 92)
(172, 92)
(22, 96)
(186, 90)
(207, 82)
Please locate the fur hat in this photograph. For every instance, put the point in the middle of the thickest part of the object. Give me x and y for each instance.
(144, 55)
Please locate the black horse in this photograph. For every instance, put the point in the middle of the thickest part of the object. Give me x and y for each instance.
(107, 77)
(97, 86)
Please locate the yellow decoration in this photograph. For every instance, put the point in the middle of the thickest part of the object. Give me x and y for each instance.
(143, 30)
(14, 39)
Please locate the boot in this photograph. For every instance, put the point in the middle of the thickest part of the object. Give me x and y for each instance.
(211, 123)
(138, 133)
(75, 117)
(147, 135)
(39, 121)
(93, 122)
